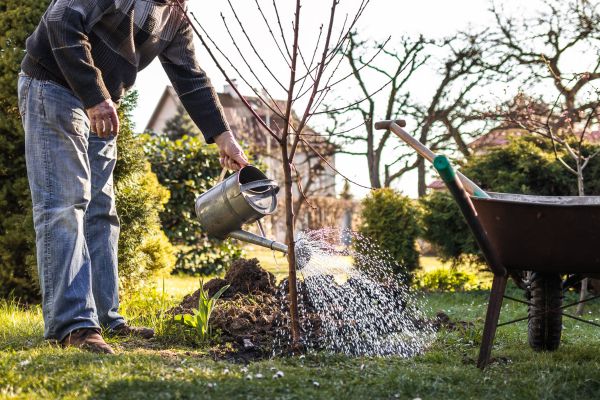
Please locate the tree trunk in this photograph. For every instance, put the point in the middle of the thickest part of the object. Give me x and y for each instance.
(373, 173)
(583, 293)
(422, 184)
(291, 255)
(372, 161)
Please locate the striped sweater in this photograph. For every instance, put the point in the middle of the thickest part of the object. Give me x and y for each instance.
(96, 49)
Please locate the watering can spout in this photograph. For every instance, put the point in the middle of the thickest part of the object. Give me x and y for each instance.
(258, 240)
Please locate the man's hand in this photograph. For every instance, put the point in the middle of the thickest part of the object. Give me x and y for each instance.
(103, 119)
(231, 154)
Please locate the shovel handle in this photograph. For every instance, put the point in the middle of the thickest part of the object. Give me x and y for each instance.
(426, 153)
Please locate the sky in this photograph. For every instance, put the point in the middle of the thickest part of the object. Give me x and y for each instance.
(382, 18)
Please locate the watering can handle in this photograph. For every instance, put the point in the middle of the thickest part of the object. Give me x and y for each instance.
(222, 176)
(273, 187)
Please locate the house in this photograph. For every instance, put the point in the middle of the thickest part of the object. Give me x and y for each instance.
(318, 179)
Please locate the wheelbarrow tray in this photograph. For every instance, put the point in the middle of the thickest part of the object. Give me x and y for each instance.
(559, 234)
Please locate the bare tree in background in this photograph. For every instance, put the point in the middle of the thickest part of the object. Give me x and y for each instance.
(360, 58)
(543, 50)
(312, 73)
(444, 122)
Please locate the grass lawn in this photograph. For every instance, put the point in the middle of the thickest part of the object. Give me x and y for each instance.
(167, 368)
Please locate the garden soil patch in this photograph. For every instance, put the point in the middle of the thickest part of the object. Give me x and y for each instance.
(248, 314)
(252, 314)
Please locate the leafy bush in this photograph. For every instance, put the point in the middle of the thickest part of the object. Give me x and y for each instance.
(526, 166)
(144, 250)
(18, 18)
(187, 167)
(445, 228)
(447, 280)
(391, 220)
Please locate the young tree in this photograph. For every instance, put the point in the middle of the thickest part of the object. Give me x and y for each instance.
(311, 73)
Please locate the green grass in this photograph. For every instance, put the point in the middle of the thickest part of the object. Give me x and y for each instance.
(168, 367)
(171, 369)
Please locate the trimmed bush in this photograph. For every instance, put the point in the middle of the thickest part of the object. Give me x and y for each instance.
(188, 168)
(144, 249)
(392, 221)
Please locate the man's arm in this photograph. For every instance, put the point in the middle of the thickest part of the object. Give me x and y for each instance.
(192, 85)
(199, 97)
(67, 22)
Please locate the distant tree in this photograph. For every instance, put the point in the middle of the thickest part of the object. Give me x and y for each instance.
(396, 68)
(443, 122)
(559, 98)
(180, 125)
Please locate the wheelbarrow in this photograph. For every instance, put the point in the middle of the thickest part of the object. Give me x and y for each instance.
(546, 244)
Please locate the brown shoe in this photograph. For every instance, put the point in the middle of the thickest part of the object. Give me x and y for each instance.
(87, 339)
(126, 330)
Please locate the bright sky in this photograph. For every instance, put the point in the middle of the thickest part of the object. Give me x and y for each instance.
(432, 18)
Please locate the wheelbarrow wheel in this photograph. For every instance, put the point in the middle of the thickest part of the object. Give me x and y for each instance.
(545, 317)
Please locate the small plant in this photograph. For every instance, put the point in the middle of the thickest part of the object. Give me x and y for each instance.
(447, 280)
(199, 321)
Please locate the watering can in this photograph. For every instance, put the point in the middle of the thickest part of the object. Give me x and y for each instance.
(243, 198)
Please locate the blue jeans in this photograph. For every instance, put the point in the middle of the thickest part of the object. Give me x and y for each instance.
(70, 172)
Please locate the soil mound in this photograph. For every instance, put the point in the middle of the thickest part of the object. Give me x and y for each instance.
(252, 316)
(247, 277)
(249, 313)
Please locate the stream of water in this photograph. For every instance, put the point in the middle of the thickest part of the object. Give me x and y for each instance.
(352, 301)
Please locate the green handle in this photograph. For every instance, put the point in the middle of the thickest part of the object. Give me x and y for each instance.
(444, 168)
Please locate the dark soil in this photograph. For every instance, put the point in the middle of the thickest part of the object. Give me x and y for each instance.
(443, 321)
(249, 315)
(252, 316)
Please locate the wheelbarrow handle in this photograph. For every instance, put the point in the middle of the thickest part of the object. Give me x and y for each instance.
(458, 191)
(426, 153)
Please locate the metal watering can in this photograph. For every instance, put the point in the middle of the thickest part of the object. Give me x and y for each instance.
(244, 197)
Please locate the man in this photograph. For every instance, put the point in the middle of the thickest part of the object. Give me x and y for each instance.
(81, 59)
